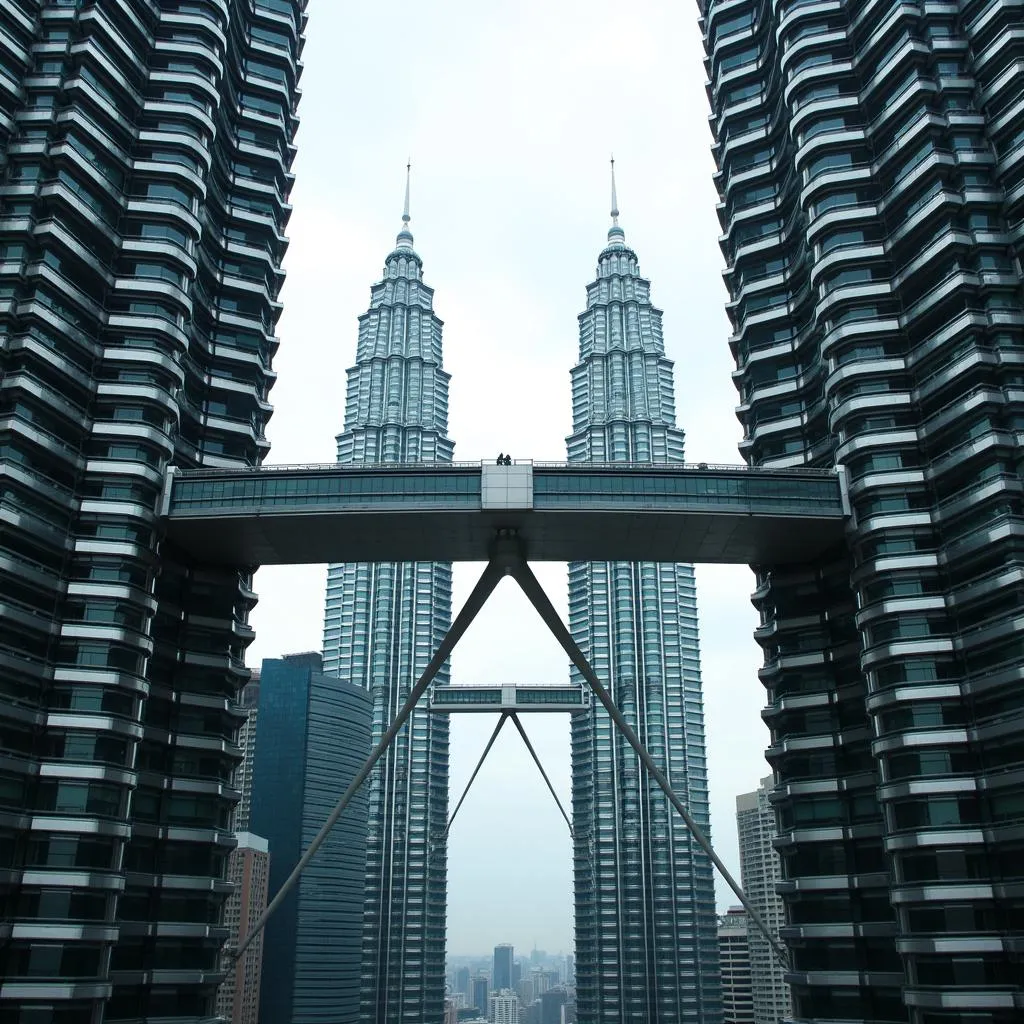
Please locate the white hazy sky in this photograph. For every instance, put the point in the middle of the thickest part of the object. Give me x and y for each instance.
(509, 112)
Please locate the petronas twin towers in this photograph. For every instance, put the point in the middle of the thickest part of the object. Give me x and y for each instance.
(644, 898)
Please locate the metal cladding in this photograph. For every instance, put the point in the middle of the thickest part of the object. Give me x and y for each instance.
(646, 946)
(871, 174)
(382, 624)
(146, 153)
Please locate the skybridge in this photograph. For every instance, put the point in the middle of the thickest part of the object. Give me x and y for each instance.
(451, 512)
(506, 516)
(514, 698)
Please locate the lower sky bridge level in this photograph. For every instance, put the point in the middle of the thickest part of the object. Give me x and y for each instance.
(574, 698)
(452, 512)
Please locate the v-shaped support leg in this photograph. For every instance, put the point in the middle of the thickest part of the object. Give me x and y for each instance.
(540, 768)
(505, 716)
(497, 567)
(523, 575)
(483, 757)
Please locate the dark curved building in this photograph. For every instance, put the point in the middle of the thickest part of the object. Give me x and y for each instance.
(313, 737)
(871, 175)
(143, 196)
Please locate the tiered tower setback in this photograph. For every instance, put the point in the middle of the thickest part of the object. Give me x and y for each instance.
(382, 624)
(646, 947)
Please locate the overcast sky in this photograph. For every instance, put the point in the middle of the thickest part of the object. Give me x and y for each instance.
(509, 112)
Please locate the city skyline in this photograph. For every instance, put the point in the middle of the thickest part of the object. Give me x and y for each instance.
(869, 210)
(545, 220)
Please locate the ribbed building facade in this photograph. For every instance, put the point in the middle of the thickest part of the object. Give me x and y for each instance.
(760, 872)
(871, 175)
(382, 624)
(644, 900)
(144, 188)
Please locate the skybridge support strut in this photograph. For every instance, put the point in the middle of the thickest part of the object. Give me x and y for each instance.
(498, 567)
(540, 768)
(523, 575)
(505, 715)
(483, 757)
(508, 559)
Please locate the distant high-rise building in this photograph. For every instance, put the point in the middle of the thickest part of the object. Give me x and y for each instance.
(382, 624)
(760, 870)
(145, 154)
(462, 976)
(249, 702)
(314, 735)
(645, 900)
(501, 974)
(503, 1007)
(551, 1004)
(480, 987)
(238, 998)
(869, 171)
(734, 953)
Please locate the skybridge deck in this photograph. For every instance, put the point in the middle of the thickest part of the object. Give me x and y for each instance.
(272, 515)
(573, 698)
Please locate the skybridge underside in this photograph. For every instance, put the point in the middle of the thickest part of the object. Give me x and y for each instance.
(453, 514)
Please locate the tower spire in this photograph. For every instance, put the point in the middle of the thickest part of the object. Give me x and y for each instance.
(404, 240)
(615, 199)
(615, 233)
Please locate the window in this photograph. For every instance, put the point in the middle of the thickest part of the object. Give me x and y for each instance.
(736, 60)
(826, 124)
(835, 201)
(828, 162)
(840, 239)
(165, 192)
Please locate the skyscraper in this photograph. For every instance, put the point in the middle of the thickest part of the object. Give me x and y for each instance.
(145, 150)
(249, 702)
(870, 162)
(238, 998)
(734, 954)
(312, 739)
(645, 907)
(480, 988)
(503, 1007)
(501, 975)
(383, 623)
(760, 870)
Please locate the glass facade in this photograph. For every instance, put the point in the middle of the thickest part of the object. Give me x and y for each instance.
(792, 492)
(871, 176)
(382, 624)
(646, 944)
(146, 149)
(313, 737)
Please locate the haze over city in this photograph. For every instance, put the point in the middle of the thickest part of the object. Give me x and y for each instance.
(509, 116)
